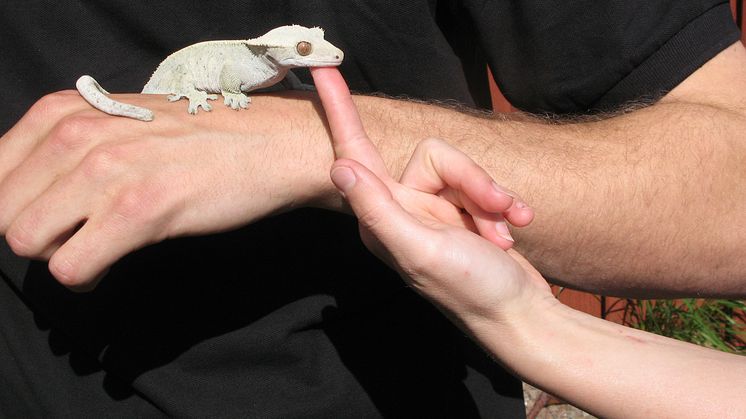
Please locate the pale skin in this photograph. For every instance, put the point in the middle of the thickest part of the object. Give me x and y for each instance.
(504, 303)
(647, 203)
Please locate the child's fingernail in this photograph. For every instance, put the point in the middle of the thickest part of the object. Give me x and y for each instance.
(343, 178)
(503, 231)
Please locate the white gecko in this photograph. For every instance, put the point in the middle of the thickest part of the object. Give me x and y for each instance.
(231, 68)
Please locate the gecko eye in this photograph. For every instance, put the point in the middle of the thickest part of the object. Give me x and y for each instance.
(304, 48)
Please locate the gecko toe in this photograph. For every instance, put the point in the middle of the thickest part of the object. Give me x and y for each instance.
(236, 101)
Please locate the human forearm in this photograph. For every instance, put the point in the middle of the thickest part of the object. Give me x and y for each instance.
(614, 371)
(505, 304)
(624, 205)
(643, 204)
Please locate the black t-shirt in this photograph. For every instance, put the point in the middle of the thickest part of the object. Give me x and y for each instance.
(262, 321)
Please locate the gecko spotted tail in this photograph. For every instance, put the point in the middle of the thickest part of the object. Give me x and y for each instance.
(94, 94)
(230, 68)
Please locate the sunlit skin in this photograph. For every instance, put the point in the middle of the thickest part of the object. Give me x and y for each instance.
(82, 189)
(498, 298)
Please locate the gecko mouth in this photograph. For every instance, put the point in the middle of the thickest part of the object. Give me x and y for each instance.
(313, 63)
(326, 61)
(321, 63)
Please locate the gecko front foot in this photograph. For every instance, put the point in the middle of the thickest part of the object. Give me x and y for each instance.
(199, 98)
(236, 100)
(196, 98)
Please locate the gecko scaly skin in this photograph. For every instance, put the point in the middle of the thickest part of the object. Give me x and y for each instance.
(231, 68)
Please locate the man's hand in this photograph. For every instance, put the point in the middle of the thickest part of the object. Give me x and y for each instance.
(424, 224)
(83, 189)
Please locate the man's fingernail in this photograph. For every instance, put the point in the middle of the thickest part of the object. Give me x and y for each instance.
(344, 178)
(503, 231)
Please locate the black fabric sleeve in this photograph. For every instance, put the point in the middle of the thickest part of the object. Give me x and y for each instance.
(593, 56)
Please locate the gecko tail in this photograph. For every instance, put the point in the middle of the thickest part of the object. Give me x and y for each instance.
(94, 94)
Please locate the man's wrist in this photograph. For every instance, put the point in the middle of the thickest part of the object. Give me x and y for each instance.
(298, 151)
(388, 125)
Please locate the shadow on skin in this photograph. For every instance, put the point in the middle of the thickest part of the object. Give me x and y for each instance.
(247, 305)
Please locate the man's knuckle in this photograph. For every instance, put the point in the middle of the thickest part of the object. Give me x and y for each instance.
(53, 104)
(102, 160)
(45, 103)
(139, 203)
(51, 101)
(129, 204)
(70, 133)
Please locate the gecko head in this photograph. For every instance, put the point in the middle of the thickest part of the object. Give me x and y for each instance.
(298, 46)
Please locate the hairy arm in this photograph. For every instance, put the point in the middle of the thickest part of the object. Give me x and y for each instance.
(656, 193)
(503, 302)
(646, 203)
